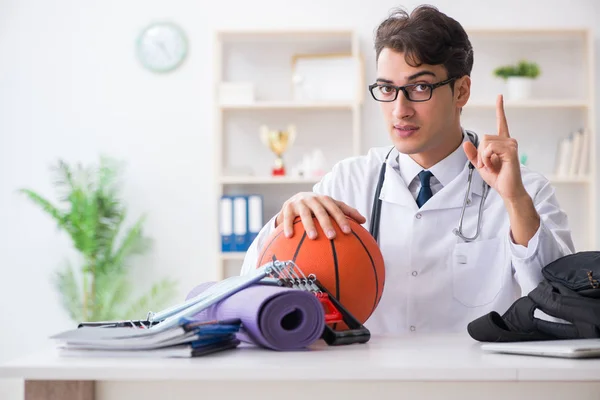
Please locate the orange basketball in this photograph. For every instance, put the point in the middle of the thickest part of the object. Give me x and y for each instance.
(350, 266)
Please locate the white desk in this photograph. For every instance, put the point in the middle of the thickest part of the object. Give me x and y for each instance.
(449, 367)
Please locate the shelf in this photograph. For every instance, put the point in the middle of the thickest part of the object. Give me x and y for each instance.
(282, 35)
(267, 180)
(290, 105)
(254, 180)
(550, 31)
(530, 104)
(568, 179)
(233, 256)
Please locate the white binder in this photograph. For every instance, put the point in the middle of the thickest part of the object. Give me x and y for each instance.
(240, 223)
(255, 217)
(226, 224)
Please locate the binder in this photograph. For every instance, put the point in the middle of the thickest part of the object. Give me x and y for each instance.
(240, 223)
(255, 217)
(576, 156)
(226, 224)
(582, 168)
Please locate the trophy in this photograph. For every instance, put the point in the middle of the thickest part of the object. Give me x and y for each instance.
(278, 141)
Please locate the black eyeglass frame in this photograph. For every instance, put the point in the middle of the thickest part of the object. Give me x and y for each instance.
(432, 87)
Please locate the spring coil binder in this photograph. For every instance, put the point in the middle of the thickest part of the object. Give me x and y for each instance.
(288, 274)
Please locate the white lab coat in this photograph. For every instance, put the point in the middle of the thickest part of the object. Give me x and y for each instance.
(434, 281)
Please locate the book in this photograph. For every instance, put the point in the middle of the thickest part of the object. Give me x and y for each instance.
(181, 351)
(188, 339)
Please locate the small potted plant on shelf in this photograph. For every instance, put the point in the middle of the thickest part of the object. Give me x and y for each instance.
(519, 78)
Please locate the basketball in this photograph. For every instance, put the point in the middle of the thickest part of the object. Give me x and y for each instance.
(350, 265)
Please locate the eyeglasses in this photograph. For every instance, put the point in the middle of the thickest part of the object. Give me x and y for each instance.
(417, 92)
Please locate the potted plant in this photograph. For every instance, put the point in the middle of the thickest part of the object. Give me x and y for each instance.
(519, 78)
(93, 215)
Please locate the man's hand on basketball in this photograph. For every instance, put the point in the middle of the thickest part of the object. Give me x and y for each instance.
(307, 204)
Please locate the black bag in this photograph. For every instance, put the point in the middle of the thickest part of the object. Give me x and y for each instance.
(570, 292)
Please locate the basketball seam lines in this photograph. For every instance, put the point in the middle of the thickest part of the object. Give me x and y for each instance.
(337, 275)
(374, 271)
(271, 242)
(299, 245)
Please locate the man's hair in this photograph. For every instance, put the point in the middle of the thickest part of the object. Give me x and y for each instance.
(427, 36)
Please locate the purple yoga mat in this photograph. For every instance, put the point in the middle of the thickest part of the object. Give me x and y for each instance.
(274, 317)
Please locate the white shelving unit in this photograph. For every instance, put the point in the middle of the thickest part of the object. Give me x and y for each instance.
(563, 101)
(243, 163)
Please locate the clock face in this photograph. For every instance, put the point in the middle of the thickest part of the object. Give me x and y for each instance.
(162, 47)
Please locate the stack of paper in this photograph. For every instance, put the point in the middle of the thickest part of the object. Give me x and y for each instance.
(187, 339)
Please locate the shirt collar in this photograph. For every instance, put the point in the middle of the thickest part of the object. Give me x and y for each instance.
(444, 171)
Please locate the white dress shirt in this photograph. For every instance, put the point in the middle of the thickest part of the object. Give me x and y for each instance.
(443, 172)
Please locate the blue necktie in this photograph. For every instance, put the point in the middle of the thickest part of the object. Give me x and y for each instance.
(425, 192)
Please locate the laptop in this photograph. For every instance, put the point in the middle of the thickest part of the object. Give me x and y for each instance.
(572, 348)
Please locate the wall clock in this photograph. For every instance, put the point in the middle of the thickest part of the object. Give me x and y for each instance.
(162, 47)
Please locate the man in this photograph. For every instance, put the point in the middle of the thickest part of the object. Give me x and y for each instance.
(436, 280)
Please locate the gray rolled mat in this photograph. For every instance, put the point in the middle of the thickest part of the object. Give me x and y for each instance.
(274, 317)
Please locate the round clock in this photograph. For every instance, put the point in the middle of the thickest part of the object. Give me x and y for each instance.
(162, 47)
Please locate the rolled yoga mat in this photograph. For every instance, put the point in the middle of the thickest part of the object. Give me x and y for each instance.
(274, 317)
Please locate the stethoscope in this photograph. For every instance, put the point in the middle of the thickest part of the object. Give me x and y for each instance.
(376, 212)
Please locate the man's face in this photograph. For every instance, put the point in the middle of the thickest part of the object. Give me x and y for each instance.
(425, 130)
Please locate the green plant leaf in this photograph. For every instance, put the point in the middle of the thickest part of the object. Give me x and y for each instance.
(66, 284)
(523, 68)
(158, 297)
(46, 206)
(112, 293)
(64, 180)
(133, 243)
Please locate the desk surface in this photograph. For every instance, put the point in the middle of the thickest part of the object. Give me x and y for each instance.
(403, 358)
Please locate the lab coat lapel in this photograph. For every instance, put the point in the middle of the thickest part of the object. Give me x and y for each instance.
(453, 194)
(394, 190)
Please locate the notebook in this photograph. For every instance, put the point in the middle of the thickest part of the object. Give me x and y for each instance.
(180, 351)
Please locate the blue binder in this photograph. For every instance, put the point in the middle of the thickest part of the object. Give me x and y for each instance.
(226, 224)
(240, 223)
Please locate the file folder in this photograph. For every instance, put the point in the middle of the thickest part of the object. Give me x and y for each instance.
(226, 224)
(240, 223)
(255, 217)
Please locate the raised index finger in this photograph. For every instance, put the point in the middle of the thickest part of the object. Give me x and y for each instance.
(501, 117)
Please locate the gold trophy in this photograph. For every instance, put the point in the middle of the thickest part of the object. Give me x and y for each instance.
(278, 141)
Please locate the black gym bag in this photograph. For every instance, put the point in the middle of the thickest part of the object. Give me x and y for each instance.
(570, 291)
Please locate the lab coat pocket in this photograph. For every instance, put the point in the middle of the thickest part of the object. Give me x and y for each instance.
(478, 271)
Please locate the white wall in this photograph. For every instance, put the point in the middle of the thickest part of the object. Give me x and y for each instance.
(70, 87)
